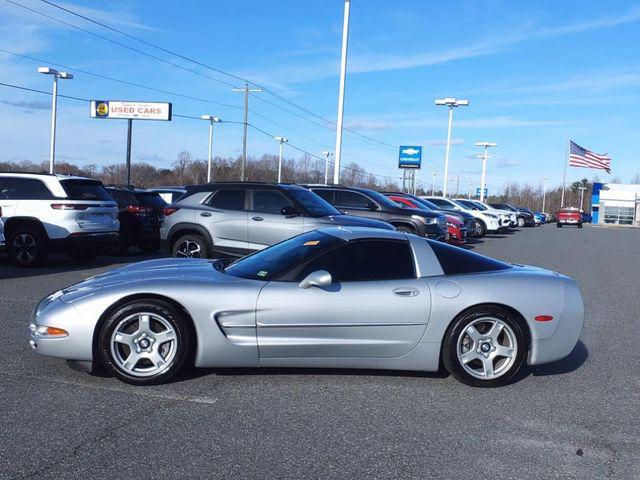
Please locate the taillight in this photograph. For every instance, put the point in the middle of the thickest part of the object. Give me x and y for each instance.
(138, 210)
(69, 206)
(169, 210)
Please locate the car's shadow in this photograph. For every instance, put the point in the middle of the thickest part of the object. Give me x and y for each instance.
(61, 264)
(568, 364)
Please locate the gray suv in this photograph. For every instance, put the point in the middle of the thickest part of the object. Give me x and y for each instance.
(234, 219)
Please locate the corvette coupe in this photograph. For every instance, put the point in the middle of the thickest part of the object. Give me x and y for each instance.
(330, 298)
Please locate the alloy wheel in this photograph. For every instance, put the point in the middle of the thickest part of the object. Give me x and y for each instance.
(144, 344)
(189, 249)
(487, 348)
(25, 248)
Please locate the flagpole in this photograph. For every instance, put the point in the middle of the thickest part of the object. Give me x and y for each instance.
(564, 176)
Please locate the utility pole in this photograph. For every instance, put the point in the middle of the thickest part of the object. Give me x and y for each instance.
(246, 90)
(582, 189)
(326, 155)
(469, 192)
(457, 185)
(433, 183)
(544, 194)
(343, 75)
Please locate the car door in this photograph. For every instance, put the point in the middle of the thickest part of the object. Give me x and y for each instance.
(375, 306)
(266, 223)
(225, 217)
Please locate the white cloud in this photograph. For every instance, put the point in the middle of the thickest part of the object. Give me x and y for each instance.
(366, 124)
(443, 142)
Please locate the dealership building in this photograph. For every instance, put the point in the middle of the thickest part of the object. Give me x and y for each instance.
(616, 204)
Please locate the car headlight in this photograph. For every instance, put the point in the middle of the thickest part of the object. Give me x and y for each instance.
(491, 215)
(428, 221)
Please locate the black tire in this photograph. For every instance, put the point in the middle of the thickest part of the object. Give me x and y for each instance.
(405, 229)
(190, 246)
(183, 342)
(117, 249)
(520, 222)
(579, 225)
(450, 345)
(27, 246)
(479, 229)
(150, 247)
(559, 225)
(86, 255)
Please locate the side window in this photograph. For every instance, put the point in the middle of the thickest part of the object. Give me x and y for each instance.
(325, 195)
(269, 201)
(454, 260)
(365, 260)
(24, 189)
(228, 199)
(352, 199)
(439, 202)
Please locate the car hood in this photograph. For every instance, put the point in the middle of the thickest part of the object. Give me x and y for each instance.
(353, 221)
(162, 269)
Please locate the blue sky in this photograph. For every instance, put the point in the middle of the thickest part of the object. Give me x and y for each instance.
(535, 74)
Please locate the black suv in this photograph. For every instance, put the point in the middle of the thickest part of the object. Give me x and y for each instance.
(140, 213)
(371, 204)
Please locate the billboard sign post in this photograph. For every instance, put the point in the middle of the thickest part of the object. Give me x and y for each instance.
(129, 111)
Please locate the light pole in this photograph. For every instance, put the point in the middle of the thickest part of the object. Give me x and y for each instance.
(451, 103)
(582, 189)
(484, 157)
(450, 186)
(544, 193)
(211, 120)
(281, 141)
(54, 107)
(326, 155)
(469, 192)
(433, 183)
(343, 75)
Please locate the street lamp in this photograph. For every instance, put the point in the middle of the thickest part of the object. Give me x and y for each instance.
(54, 107)
(433, 183)
(343, 76)
(211, 120)
(469, 192)
(544, 194)
(451, 103)
(281, 141)
(326, 155)
(484, 157)
(582, 189)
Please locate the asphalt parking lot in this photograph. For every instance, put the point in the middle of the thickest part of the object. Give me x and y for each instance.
(578, 418)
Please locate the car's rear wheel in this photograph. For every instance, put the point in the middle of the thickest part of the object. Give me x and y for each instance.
(485, 347)
(27, 247)
(190, 246)
(559, 225)
(479, 228)
(145, 342)
(579, 225)
(118, 248)
(405, 228)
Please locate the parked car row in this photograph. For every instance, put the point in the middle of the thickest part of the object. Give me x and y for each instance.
(81, 217)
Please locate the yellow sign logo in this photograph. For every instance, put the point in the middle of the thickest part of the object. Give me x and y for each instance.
(102, 109)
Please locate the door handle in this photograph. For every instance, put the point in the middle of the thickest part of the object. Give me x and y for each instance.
(205, 214)
(257, 219)
(406, 292)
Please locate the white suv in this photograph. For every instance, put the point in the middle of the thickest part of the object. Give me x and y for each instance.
(45, 213)
(486, 222)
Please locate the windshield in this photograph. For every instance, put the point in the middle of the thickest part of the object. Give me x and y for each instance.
(382, 199)
(465, 205)
(481, 206)
(315, 205)
(151, 199)
(272, 262)
(85, 190)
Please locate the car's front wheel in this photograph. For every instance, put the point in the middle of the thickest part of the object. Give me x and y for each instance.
(479, 228)
(485, 347)
(520, 222)
(145, 342)
(190, 246)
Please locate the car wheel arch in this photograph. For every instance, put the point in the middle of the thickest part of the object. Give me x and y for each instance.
(140, 297)
(517, 315)
(13, 223)
(403, 223)
(181, 229)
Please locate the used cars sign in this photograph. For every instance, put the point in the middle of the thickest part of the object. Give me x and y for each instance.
(130, 110)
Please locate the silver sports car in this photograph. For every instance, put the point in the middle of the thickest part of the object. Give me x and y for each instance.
(335, 297)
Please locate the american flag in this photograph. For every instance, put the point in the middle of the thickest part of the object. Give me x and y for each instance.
(581, 157)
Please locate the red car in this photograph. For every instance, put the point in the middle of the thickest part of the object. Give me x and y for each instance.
(457, 231)
(569, 216)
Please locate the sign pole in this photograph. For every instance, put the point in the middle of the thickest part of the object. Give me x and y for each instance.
(564, 175)
(128, 163)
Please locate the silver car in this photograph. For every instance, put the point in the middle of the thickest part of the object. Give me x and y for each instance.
(336, 297)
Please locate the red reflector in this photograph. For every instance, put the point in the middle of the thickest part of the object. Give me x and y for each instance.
(544, 318)
(68, 206)
(169, 210)
(138, 210)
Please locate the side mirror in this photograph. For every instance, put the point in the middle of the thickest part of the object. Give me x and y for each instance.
(319, 278)
(289, 211)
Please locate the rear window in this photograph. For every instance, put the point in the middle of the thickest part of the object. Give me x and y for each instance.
(151, 200)
(228, 199)
(85, 190)
(123, 197)
(454, 260)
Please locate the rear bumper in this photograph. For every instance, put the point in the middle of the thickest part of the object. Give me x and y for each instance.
(77, 241)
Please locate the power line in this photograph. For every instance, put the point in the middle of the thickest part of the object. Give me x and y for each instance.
(197, 62)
